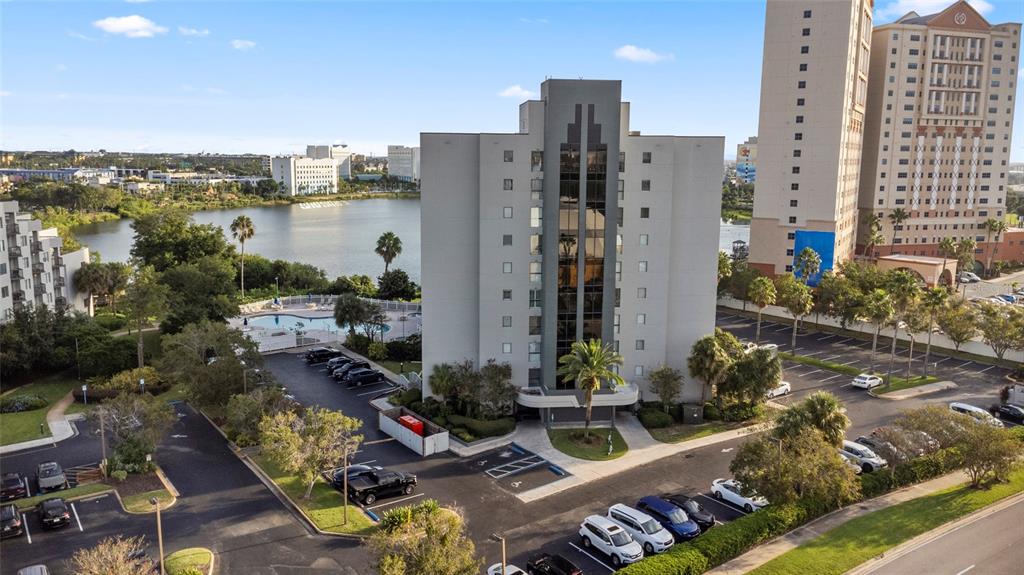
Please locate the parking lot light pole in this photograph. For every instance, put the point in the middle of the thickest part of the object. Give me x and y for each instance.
(499, 538)
(159, 532)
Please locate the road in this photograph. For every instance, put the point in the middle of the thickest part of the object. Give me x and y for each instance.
(991, 545)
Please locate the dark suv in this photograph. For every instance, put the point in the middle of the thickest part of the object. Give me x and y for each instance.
(361, 377)
(14, 486)
(321, 354)
(54, 513)
(341, 372)
(10, 521)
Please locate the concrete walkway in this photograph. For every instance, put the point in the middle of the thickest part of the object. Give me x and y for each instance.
(764, 553)
(642, 449)
(60, 428)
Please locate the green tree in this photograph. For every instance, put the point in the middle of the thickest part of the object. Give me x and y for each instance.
(873, 235)
(803, 468)
(915, 320)
(993, 227)
(947, 248)
(138, 416)
(374, 322)
(90, 278)
(147, 303)
(896, 218)
(820, 411)
(878, 310)
(116, 277)
(396, 285)
(751, 377)
(349, 311)
(965, 256)
(210, 359)
(588, 365)
(425, 538)
(496, 393)
(667, 384)
(709, 362)
(242, 229)
(958, 321)
(1000, 327)
(389, 247)
(807, 265)
(168, 237)
(989, 453)
(762, 294)
(932, 302)
(904, 292)
(796, 298)
(116, 555)
(361, 285)
(739, 282)
(202, 289)
(724, 268)
(307, 442)
(245, 411)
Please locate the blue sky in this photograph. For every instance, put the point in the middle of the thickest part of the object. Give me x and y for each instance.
(269, 77)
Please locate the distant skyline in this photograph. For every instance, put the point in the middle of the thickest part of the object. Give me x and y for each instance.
(271, 77)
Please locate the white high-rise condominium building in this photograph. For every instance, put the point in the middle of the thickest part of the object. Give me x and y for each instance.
(571, 229)
(33, 271)
(939, 127)
(404, 163)
(340, 153)
(300, 175)
(746, 161)
(813, 93)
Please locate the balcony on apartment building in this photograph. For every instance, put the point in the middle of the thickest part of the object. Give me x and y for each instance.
(18, 296)
(38, 267)
(16, 274)
(14, 250)
(59, 281)
(60, 301)
(541, 397)
(39, 289)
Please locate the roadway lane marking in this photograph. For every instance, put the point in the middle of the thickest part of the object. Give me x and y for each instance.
(397, 501)
(77, 520)
(596, 560)
(983, 371)
(24, 522)
(965, 570)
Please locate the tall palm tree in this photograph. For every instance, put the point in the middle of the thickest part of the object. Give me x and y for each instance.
(874, 232)
(90, 278)
(933, 301)
(709, 362)
(897, 217)
(242, 230)
(587, 365)
(903, 291)
(965, 255)
(762, 294)
(807, 264)
(389, 247)
(825, 412)
(878, 310)
(993, 227)
(350, 310)
(947, 248)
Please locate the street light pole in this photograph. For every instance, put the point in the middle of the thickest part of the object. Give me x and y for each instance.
(499, 538)
(159, 532)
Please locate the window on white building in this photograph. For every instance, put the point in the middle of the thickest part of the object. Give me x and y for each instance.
(506, 347)
(506, 267)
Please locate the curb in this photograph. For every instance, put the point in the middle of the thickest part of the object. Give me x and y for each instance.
(90, 496)
(910, 546)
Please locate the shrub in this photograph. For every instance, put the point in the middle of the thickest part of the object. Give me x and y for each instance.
(441, 421)
(22, 402)
(407, 397)
(733, 539)
(409, 349)
(1018, 433)
(128, 380)
(130, 456)
(462, 434)
(653, 418)
(188, 571)
(377, 351)
(358, 343)
(119, 474)
(740, 412)
(111, 322)
(681, 559)
(483, 427)
(711, 412)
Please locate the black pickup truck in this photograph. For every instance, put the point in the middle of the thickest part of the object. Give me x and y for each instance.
(380, 483)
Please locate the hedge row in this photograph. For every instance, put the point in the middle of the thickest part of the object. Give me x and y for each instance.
(919, 469)
(22, 402)
(484, 427)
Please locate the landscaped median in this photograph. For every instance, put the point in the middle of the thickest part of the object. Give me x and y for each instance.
(187, 561)
(79, 492)
(895, 383)
(575, 443)
(323, 508)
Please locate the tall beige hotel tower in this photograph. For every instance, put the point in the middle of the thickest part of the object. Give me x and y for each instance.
(939, 126)
(814, 84)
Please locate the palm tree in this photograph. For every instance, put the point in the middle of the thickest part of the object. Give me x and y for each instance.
(932, 301)
(877, 310)
(807, 264)
(762, 294)
(947, 248)
(708, 362)
(116, 278)
(965, 255)
(389, 247)
(587, 365)
(825, 412)
(90, 278)
(903, 291)
(993, 227)
(350, 310)
(242, 230)
(874, 233)
(897, 217)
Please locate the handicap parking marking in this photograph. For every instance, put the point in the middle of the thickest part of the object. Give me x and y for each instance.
(399, 500)
(596, 560)
(24, 521)
(77, 520)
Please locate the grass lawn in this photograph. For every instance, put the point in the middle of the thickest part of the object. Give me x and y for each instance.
(139, 503)
(195, 557)
(899, 383)
(679, 432)
(17, 427)
(74, 492)
(819, 363)
(325, 505)
(860, 539)
(570, 442)
(396, 366)
(175, 393)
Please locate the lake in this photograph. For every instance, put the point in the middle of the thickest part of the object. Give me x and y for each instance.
(338, 237)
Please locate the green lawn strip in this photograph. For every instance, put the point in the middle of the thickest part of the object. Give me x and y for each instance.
(324, 508)
(139, 503)
(396, 366)
(24, 426)
(562, 440)
(175, 393)
(74, 492)
(683, 432)
(194, 557)
(899, 383)
(860, 539)
(820, 363)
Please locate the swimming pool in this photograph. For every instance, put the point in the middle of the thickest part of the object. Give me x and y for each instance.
(293, 322)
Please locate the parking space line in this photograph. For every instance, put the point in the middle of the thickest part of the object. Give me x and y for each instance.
(842, 341)
(826, 338)
(783, 328)
(798, 349)
(596, 560)
(381, 390)
(963, 364)
(812, 372)
(833, 377)
(77, 520)
(832, 357)
(366, 462)
(723, 503)
(987, 368)
(396, 501)
(24, 521)
(813, 353)
(849, 362)
(28, 488)
(941, 360)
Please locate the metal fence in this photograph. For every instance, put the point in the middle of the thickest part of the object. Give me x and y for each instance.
(328, 300)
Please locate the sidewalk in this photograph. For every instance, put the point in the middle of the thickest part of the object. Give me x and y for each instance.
(60, 428)
(643, 449)
(764, 553)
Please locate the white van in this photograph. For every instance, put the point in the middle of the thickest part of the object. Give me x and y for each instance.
(979, 414)
(644, 529)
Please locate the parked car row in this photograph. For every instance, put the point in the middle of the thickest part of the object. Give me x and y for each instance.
(53, 514)
(49, 477)
(980, 415)
(353, 372)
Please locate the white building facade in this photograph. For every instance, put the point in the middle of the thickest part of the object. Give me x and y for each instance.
(746, 161)
(340, 153)
(571, 229)
(404, 163)
(298, 175)
(33, 271)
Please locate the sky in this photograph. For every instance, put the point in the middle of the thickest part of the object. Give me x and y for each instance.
(271, 77)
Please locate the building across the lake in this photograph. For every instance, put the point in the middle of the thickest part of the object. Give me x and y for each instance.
(404, 163)
(573, 228)
(340, 153)
(746, 161)
(33, 269)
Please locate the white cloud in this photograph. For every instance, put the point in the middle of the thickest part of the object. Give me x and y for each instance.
(185, 31)
(897, 8)
(4, 93)
(633, 53)
(187, 88)
(516, 91)
(80, 36)
(133, 26)
(534, 20)
(243, 44)
(217, 91)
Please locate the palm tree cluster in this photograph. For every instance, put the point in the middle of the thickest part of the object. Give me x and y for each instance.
(106, 280)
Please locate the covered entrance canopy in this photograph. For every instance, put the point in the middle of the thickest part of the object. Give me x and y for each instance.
(931, 271)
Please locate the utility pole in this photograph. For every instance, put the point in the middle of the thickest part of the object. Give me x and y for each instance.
(499, 538)
(159, 532)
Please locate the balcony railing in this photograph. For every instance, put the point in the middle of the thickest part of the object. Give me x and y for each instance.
(14, 251)
(38, 267)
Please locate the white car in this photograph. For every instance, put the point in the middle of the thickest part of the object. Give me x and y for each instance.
(732, 491)
(968, 278)
(750, 346)
(865, 381)
(783, 389)
(979, 414)
(848, 460)
(863, 456)
(600, 533)
(643, 528)
(509, 570)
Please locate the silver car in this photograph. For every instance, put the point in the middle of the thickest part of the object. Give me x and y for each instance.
(862, 455)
